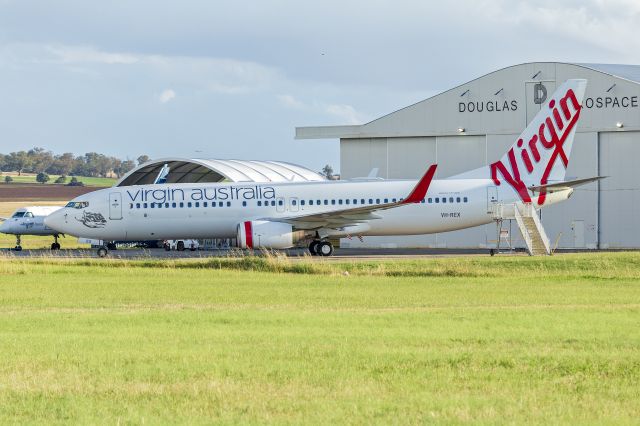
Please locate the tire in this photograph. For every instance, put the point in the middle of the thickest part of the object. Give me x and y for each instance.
(18, 248)
(313, 248)
(325, 249)
(180, 246)
(102, 252)
(167, 247)
(492, 252)
(55, 246)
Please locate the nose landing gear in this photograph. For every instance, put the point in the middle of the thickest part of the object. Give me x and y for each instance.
(55, 245)
(18, 247)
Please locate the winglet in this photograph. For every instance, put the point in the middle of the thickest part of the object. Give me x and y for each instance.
(420, 190)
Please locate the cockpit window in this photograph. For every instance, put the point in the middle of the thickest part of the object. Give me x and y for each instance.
(28, 214)
(77, 204)
(18, 214)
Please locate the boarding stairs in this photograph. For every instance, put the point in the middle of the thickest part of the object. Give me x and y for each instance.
(529, 224)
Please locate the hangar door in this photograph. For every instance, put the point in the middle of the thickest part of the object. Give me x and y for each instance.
(620, 192)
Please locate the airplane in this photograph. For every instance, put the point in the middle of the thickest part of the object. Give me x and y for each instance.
(30, 221)
(283, 215)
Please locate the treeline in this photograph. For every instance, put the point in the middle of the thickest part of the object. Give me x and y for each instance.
(39, 160)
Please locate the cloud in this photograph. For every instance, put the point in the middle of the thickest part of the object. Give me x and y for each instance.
(166, 96)
(290, 102)
(347, 113)
(84, 54)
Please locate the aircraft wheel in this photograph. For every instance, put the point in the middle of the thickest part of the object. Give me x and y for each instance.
(103, 251)
(492, 252)
(55, 246)
(313, 248)
(167, 247)
(18, 248)
(111, 246)
(325, 248)
(180, 246)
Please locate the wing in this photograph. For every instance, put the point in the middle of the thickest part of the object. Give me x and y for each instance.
(563, 186)
(355, 215)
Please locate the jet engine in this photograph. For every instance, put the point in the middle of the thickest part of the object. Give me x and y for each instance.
(266, 234)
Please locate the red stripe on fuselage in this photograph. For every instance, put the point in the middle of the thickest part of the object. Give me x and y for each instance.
(248, 232)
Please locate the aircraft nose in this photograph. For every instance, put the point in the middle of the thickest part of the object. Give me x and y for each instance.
(55, 221)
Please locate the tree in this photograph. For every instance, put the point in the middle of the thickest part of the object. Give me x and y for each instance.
(8, 179)
(75, 182)
(61, 179)
(18, 161)
(143, 159)
(42, 177)
(41, 159)
(62, 164)
(327, 171)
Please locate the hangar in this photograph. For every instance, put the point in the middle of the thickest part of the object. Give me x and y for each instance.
(197, 170)
(473, 124)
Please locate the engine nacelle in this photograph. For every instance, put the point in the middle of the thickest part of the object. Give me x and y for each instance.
(266, 234)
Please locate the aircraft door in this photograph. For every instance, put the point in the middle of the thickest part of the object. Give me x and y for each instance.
(115, 206)
(293, 204)
(280, 205)
(492, 198)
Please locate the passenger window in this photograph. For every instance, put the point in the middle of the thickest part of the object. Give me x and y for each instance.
(244, 204)
(302, 202)
(273, 203)
(326, 202)
(422, 201)
(145, 205)
(465, 199)
(204, 204)
(259, 203)
(228, 203)
(130, 205)
(457, 199)
(153, 205)
(294, 203)
(444, 199)
(280, 202)
(317, 202)
(173, 205)
(340, 201)
(437, 200)
(166, 205)
(189, 204)
(333, 202)
(181, 205)
(451, 199)
(362, 201)
(394, 200)
(377, 200)
(430, 200)
(370, 200)
(197, 204)
(386, 200)
(347, 201)
(310, 202)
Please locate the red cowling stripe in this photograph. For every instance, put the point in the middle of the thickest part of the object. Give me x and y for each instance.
(248, 234)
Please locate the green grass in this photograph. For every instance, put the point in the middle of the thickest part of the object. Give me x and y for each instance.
(483, 340)
(88, 181)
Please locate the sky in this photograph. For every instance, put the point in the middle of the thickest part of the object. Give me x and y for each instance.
(232, 79)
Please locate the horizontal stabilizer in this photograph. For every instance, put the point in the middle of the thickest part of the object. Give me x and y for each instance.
(561, 186)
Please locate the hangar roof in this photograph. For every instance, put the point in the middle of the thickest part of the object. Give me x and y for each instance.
(442, 115)
(196, 170)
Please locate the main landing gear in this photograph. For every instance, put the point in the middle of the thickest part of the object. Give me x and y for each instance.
(320, 248)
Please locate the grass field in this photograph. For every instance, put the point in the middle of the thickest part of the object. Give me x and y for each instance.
(253, 340)
(89, 181)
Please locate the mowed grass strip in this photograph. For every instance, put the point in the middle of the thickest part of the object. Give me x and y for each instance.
(253, 340)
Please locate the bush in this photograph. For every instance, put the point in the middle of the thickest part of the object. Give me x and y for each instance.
(42, 177)
(8, 179)
(61, 179)
(75, 182)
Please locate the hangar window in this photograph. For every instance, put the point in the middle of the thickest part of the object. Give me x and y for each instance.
(466, 199)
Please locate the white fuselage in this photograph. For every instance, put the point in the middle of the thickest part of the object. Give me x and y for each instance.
(29, 221)
(214, 210)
